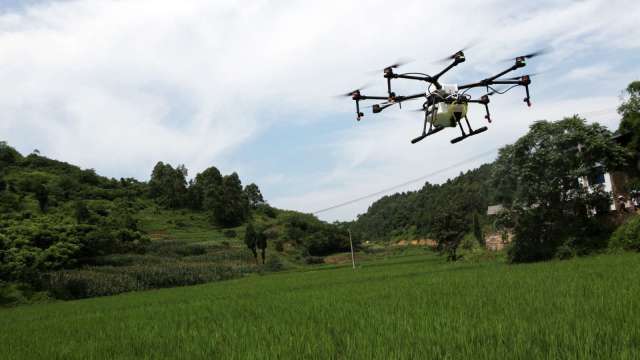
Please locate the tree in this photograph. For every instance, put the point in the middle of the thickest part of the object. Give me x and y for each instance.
(42, 195)
(630, 112)
(477, 229)
(261, 243)
(250, 239)
(168, 185)
(253, 194)
(543, 171)
(449, 228)
(230, 205)
(8, 155)
(82, 212)
(203, 191)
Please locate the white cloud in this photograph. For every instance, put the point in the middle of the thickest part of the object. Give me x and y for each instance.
(118, 85)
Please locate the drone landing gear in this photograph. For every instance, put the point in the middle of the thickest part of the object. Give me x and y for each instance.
(471, 131)
(432, 130)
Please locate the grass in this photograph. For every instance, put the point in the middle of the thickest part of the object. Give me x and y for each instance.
(411, 306)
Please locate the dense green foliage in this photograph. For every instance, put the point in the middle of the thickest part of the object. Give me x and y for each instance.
(630, 112)
(57, 216)
(553, 206)
(60, 225)
(408, 307)
(627, 236)
(416, 214)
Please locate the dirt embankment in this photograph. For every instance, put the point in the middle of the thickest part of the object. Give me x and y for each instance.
(417, 242)
(497, 241)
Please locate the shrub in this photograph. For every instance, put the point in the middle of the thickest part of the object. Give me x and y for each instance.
(279, 245)
(627, 236)
(274, 264)
(10, 294)
(312, 260)
(230, 233)
(565, 252)
(469, 241)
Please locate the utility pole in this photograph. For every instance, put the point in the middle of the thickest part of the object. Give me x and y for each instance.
(353, 259)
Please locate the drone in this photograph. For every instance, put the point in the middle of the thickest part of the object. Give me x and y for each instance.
(446, 105)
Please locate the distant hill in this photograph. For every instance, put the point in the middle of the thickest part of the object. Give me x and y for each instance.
(409, 215)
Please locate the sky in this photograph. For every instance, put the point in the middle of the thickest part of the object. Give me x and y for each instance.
(248, 86)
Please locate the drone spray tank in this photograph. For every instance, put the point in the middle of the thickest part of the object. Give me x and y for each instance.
(450, 111)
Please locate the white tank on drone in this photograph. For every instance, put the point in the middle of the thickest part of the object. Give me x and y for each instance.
(447, 113)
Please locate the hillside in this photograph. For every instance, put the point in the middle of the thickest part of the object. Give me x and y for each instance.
(410, 306)
(409, 215)
(67, 232)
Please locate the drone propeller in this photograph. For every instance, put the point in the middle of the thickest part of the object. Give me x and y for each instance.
(400, 62)
(530, 55)
(458, 53)
(352, 92)
(521, 76)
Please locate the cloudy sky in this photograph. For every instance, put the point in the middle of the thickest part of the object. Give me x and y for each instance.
(247, 85)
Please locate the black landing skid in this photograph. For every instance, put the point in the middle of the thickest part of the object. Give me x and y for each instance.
(471, 131)
(434, 129)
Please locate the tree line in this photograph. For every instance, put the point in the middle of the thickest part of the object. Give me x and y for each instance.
(228, 203)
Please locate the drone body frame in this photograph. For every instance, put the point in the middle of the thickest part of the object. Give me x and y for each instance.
(447, 105)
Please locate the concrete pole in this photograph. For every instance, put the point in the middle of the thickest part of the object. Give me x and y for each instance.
(353, 259)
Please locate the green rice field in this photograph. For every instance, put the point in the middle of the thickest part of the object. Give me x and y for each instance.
(405, 307)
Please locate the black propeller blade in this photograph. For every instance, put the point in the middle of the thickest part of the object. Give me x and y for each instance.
(350, 93)
(530, 55)
(457, 53)
(521, 76)
(401, 62)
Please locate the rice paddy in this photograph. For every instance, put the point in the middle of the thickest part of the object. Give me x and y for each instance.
(411, 306)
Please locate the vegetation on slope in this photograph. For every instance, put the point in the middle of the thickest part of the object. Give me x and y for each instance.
(70, 233)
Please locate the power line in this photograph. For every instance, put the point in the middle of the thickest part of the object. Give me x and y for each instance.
(424, 177)
(421, 178)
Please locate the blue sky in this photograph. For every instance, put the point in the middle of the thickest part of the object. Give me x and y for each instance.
(247, 85)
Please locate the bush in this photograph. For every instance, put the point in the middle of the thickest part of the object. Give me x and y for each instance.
(627, 236)
(10, 294)
(230, 233)
(274, 264)
(565, 252)
(312, 260)
(469, 242)
(279, 245)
